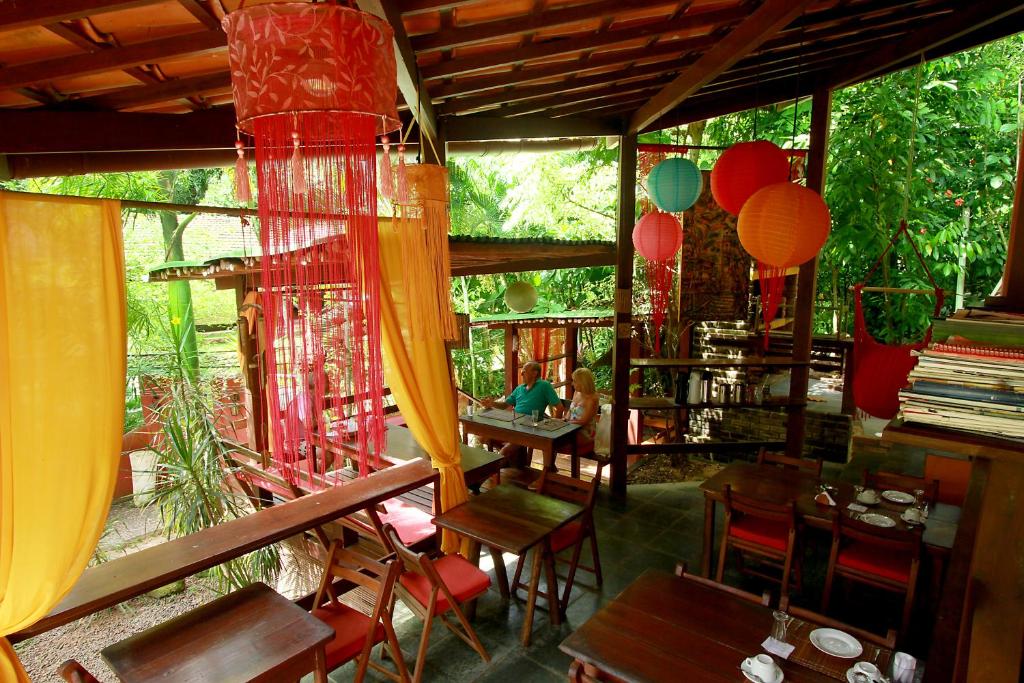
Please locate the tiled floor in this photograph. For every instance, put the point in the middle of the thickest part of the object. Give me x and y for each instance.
(659, 525)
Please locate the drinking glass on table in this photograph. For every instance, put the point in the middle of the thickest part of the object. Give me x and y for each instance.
(779, 625)
(535, 415)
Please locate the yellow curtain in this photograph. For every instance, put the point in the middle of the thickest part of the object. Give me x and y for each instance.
(62, 373)
(416, 369)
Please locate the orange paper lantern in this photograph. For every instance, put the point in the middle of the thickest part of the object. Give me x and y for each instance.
(745, 168)
(784, 224)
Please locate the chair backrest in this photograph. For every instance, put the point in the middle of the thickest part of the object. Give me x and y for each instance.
(764, 599)
(377, 577)
(571, 489)
(412, 561)
(903, 482)
(73, 672)
(765, 457)
(953, 475)
(886, 641)
(755, 507)
(887, 540)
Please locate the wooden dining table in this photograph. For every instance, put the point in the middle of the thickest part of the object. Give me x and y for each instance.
(780, 485)
(253, 634)
(519, 430)
(668, 628)
(514, 520)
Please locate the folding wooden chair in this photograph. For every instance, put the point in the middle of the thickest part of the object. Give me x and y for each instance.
(430, 588)
(355, 634)
(765, 457)
(765, 529)
(73, 672)
(885, 558)
(573, 534)
(764, 599)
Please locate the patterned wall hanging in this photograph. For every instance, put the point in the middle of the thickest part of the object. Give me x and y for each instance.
(314, 84)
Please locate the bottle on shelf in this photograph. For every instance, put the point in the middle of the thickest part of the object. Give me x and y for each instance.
(694, 389)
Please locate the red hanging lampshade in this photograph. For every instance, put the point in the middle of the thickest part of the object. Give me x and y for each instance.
(784, 224)
(745, 168)
(658, 237)
(314, 84)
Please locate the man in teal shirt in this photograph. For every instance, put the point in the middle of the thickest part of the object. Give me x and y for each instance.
(533, 394)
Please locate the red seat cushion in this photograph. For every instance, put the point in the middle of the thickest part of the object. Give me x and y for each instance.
(463, 579)
(350, 629)
(872, 559)
(412, 524)
(566, 536)
(761, 531)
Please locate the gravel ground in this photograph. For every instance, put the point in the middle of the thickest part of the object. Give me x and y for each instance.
(658, 469)
(128, 529)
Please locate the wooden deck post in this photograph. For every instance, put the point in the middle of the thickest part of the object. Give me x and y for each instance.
(252, 371)
(623, 312)
(803, 323)
(511, 358)
(572, 344)
(1012, 293)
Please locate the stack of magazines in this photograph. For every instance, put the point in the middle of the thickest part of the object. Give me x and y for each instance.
(970, 383)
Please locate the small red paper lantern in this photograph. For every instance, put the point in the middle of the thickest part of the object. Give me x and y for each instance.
(745, 168)
(784, 225)
(658, 236)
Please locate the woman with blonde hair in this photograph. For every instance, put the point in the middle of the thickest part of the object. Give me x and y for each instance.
(583, 409)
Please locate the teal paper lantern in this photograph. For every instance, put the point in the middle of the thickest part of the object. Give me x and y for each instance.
(675, 184)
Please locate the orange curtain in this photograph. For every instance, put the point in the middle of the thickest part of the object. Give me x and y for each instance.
(416, 365)
(62, 364)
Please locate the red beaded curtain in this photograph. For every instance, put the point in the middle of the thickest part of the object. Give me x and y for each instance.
(314, 84)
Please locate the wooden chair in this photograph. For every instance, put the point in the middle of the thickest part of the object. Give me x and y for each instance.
(765, 457)
(760, 528)
(574, 534)
(953, 475)
(355, 634)
(887, 641)
(73, 672)
(883, 481)
(764, 599)
(430, 588)
(885, 558)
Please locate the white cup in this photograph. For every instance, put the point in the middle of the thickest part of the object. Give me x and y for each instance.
(761, 666)
(913, 515)
(868, 669)
(869, 496)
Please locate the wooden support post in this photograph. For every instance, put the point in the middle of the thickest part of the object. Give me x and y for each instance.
(623, 311)
(1012, 294)
(572, 345)
(249, 350)
(803, 324)
(511, 358)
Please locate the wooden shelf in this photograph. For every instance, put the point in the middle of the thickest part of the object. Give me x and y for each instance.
(653, 403)
(701, 447)
(770, 404)
(953, 441)
(715, 363)
(665, 403)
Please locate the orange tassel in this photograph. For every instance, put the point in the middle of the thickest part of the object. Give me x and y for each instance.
(242, 191)
(385, 175)
(403, 179)
(298, 172)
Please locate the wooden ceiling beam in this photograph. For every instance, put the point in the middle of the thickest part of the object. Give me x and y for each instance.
(571, 85)
(972, 16)
(198, 10)
(110, 59)
(483, 32)
(480, 128)
(35, 131)
(648, 85)
(758, 27)
(165, 91)
(551, 48)
(410, 7)
(409, 81)
(15, 15)
(667, 50)
(618, 103)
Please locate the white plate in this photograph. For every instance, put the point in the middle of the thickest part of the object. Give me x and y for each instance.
(875, 519)
(898, 497)
(752, 677)
(836, 643)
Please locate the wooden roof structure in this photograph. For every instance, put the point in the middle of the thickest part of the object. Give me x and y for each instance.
(94, 85)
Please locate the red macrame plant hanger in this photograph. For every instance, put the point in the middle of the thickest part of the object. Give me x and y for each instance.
(881, 370)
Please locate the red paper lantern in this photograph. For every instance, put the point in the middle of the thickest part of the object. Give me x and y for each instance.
(784, 224)
(745, 168)
(658, 236)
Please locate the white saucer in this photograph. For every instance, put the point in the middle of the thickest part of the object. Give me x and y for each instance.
(898, 497)
(754, 678)
(851, 679)
(866, 499)
(836, 643)
(878, 520)
(912, 522)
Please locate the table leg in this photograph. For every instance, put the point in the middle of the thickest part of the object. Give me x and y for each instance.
(574, 459)
(554, 603)
(499, 572)
(709, 536)
(320, 673)
(469, 608)
(531, 597)
(549, 458)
